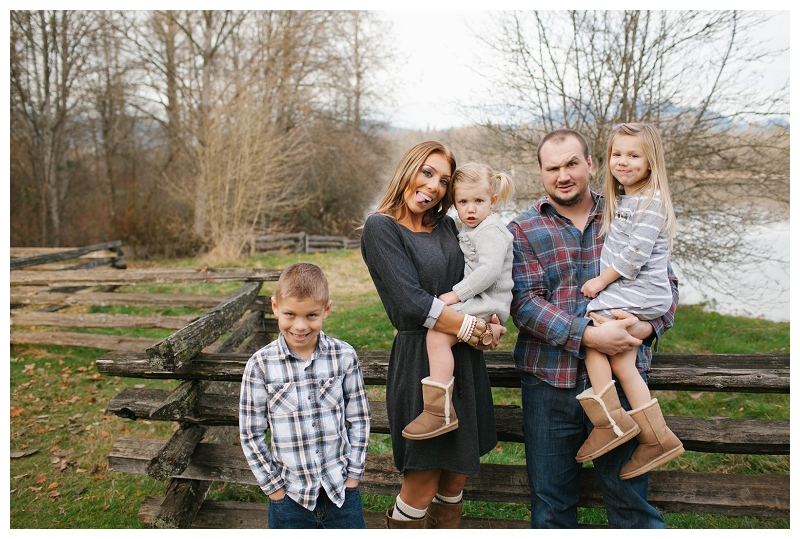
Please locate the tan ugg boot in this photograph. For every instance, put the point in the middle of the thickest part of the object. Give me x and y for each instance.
(657, 443)
(438, 415)
(394, 524)
(443, 516)
(612, 425)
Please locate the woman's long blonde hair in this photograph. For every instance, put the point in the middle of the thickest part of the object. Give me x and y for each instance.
(656, 180)
(393, 203)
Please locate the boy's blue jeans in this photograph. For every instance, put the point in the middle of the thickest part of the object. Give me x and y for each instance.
(555, 428)
(288, 514)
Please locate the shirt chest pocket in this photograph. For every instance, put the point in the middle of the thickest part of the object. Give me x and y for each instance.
(282, 398)
(622, 222)
(330, 392)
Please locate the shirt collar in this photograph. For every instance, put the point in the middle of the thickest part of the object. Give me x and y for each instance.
(286, 353)
(596, 208)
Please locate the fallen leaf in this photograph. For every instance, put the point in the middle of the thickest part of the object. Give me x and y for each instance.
(35, 489)
(696, 396)
(53, 495)
(51, 486)
(61, 510)
(16, 411)
(103, 433)
(21, 476)
(41, 478)
(20, 454)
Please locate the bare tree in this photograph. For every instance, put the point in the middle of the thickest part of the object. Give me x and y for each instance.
(49, 54)
(692, 73)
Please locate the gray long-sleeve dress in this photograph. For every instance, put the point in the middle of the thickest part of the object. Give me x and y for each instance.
(409, 269)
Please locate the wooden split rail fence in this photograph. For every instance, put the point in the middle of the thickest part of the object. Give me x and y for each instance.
(205, 405)
(300, 242)
(45, 285)
(190, 461)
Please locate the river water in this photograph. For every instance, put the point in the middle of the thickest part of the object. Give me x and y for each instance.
(762, 289)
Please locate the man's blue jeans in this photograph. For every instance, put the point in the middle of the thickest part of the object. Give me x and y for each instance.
(288, 514)
(555, 428)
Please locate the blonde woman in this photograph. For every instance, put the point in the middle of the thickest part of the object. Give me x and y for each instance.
(410, 247)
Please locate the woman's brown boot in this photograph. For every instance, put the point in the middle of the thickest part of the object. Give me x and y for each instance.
(438, 415)
(443, 515)
(613, 426)
(657, 443)
(395, 524)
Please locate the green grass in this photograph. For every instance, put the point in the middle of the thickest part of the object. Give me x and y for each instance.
(58, 403)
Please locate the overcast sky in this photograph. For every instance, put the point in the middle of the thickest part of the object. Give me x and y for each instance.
(424, 34)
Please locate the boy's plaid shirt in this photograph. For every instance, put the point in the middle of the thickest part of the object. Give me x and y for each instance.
(318, 414)
(552, 261)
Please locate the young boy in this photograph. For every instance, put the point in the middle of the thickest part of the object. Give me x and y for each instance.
(308, 390)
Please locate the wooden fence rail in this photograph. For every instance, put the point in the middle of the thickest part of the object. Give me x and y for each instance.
(300, 242)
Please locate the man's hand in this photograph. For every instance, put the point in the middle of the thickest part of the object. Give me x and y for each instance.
(640, 330)
(592, 287)
(611, 336)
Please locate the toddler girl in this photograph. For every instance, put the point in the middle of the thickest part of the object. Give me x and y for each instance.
(485, 290)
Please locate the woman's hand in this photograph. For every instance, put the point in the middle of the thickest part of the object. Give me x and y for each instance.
(497, 332)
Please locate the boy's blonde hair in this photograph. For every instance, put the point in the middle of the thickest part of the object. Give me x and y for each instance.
(499, 183)
(393, 203)
(656, 180)
(302, 281)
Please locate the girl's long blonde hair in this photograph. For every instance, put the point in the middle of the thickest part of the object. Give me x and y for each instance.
(499, 183)
(655, 181)
(393, 203)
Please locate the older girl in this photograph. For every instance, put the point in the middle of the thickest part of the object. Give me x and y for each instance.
(639, 227)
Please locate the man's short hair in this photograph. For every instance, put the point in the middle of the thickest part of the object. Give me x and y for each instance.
(302, 281)
(559, 136)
